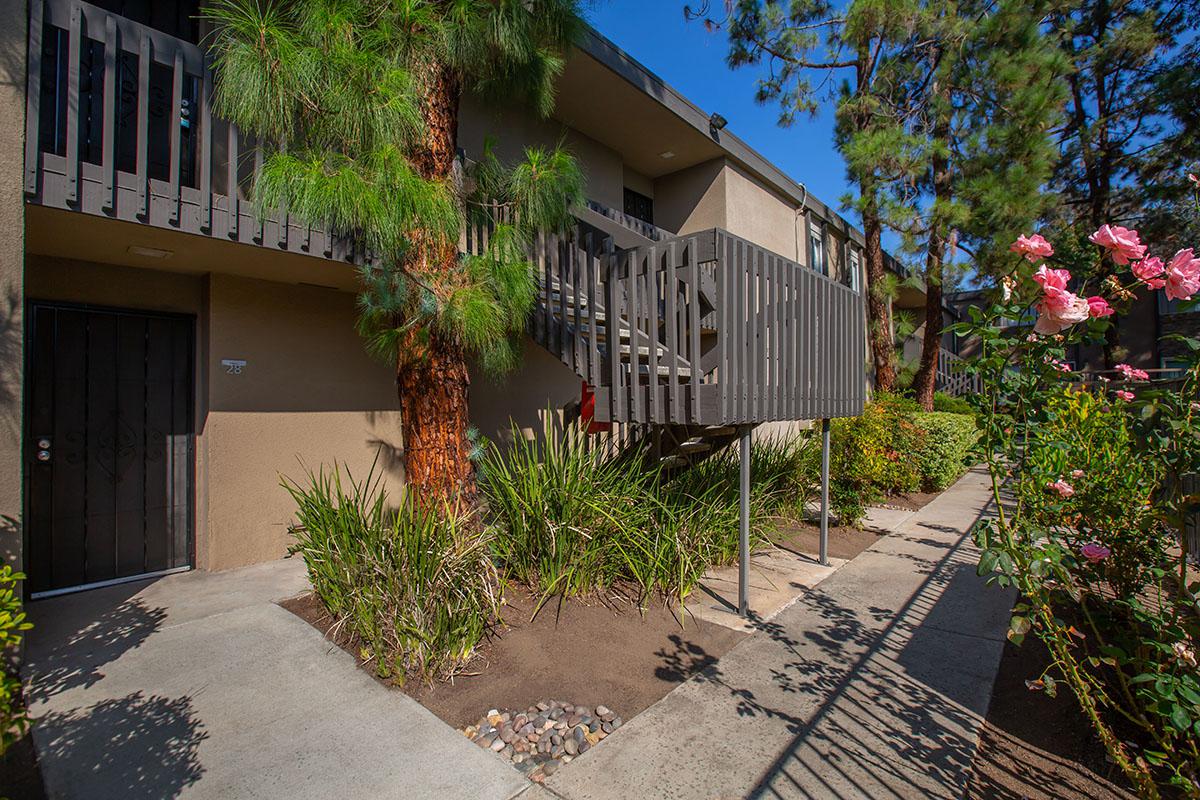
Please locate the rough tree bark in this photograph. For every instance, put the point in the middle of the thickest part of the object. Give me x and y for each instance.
(925, 381)
(431, 376)
(879, 308)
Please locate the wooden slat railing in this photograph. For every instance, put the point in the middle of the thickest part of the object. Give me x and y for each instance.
(950, 377)
(119, 125)
(702, 329)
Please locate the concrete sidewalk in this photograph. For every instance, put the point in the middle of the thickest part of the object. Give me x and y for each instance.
(873, 685)
(200, 686)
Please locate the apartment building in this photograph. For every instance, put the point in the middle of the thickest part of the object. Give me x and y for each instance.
(168, 353)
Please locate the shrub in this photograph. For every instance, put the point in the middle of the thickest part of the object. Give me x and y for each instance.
(951, 404)
(13, 720)
(873, 455)
(570, 518)
(413, 584)
(945, 448)
(1089, 487)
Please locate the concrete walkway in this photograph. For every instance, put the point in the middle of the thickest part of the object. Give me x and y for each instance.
(873, 685)
(200, 686)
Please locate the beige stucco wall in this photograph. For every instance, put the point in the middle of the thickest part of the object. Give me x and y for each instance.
(12, 259)
(691, 199)
(756, 213)
(309, 394)
(522, 397)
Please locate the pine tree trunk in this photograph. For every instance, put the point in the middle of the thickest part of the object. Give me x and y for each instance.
(433, 386)
(879, 309)
(925, 381)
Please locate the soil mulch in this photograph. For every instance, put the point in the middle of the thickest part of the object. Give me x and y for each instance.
(908, 501)
(587, 653)
(805, 538)
(1038, 747)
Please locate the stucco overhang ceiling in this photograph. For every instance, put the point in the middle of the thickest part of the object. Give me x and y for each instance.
(632, 114)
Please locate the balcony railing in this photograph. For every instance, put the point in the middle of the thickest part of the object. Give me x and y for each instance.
(119, 125)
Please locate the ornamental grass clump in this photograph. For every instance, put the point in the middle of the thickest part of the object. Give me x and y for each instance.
(574, 517)
(1089, 478)
(413, 585)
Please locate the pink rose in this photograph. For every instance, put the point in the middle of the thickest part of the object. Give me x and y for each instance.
(1076, 474)
(1059, 309)
(1193, 179)
(1147, 271)
(1095, 552)
(1032, 247)
(1124, 395)
(1051, 278)
(1121, 243)
(1183, 276)
(1062, 487)
(1099, 307)
(1132, 374)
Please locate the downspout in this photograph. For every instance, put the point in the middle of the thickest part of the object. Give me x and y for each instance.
(796, 220)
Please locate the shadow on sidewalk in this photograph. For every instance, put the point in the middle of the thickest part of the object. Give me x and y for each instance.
(896, 688)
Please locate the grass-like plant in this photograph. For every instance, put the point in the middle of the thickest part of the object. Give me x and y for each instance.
(572, 519)
(415, 585)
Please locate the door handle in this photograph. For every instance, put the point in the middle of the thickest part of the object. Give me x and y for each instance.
(43, 449)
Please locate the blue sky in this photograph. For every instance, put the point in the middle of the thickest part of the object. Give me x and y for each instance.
(692, 60)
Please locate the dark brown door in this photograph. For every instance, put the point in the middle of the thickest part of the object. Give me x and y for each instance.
(109, 445)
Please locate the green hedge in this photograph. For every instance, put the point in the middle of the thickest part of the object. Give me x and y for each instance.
(894, 448)
(952, 404)
(942, 454)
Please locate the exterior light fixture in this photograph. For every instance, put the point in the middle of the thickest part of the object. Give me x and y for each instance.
(716, 123)
(667, 154)
(149, 252)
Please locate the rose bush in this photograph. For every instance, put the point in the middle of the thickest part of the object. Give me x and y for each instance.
(1088, 476)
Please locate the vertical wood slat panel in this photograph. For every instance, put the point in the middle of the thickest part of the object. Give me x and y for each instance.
(783, 298)
(108, 161)
(74, 48)
(145, 53)
(652, 330)
(258, 162)
(593, 301)
(577, 268)
(724, 306)
(635, 325)
(752, 320)
(176, 138)
(33, 95)
(672, 320)
(737, 324)
(206, 149)
(612, 334)
(561, 260)
(776, 322)
(693, 263)
(797, 340)
(235, 201)
(538, 326)
(548, 290)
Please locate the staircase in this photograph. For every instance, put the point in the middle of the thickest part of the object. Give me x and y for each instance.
(690, 340)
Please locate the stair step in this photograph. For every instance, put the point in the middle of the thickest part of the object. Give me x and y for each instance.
(719, 430)
(691, 447)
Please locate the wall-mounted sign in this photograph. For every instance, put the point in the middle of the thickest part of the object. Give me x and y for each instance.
(233, 366)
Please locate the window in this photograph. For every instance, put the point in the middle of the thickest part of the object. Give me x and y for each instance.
(639, 206)
(1172, 368)
(855, 270)
(816, 244)
(1167, 307)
